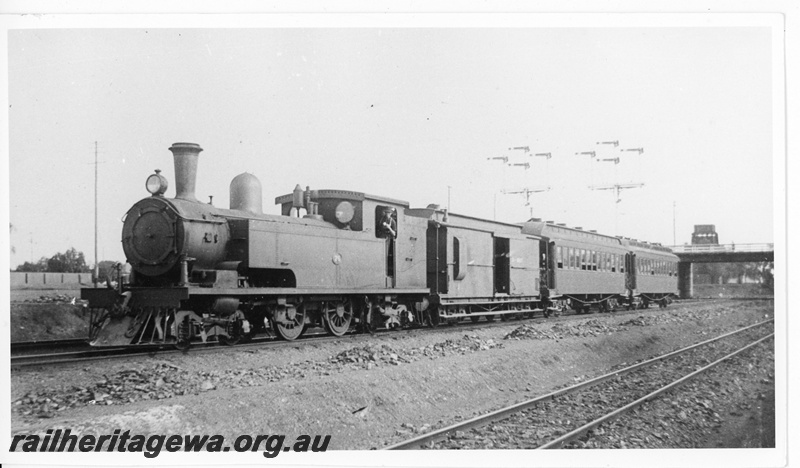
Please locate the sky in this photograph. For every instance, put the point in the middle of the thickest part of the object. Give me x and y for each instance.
(409, 112)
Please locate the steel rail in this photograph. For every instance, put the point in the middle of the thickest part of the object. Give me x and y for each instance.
(572, 435)
(17, 346)
(509, 410)
(140, 350)
(167, 348)
(75, 356)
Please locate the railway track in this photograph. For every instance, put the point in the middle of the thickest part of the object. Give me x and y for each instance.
(41, 353)
(45, 345)
(540, 422)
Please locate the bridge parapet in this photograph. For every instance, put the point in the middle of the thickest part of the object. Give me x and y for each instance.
(722, 248)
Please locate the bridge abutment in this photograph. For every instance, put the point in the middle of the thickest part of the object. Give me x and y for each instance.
(685, 281)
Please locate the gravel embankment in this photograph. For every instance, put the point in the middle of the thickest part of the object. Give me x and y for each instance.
(550, 420)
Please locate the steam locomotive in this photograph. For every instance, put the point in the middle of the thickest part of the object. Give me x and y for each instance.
(342, 260)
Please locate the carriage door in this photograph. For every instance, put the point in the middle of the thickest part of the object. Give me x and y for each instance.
(547, 264)
(630, 271)
(437, 259)
(544, 282)
(524, 267)
(551, 265)
(501, 265)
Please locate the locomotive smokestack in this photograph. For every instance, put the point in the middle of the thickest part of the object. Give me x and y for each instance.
(186, 155)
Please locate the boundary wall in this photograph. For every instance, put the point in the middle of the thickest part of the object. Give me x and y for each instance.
(21, 280)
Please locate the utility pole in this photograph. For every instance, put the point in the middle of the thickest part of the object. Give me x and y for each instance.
(448, 198)
(527, 191)
(616, 188)
(673, 223)
(96, 263)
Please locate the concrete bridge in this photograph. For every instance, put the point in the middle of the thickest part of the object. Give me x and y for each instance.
(716, 253)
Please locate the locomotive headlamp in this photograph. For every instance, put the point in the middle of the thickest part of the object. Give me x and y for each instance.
(345, 212)
(157, 184)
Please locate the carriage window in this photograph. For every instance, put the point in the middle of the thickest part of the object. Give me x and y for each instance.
(584, 258)
(559, 257)
(594, 261)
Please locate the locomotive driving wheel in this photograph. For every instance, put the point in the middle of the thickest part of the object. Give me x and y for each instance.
(290, 323)
(337, 317)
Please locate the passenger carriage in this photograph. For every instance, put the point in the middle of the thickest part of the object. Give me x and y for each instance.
(585, 269)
